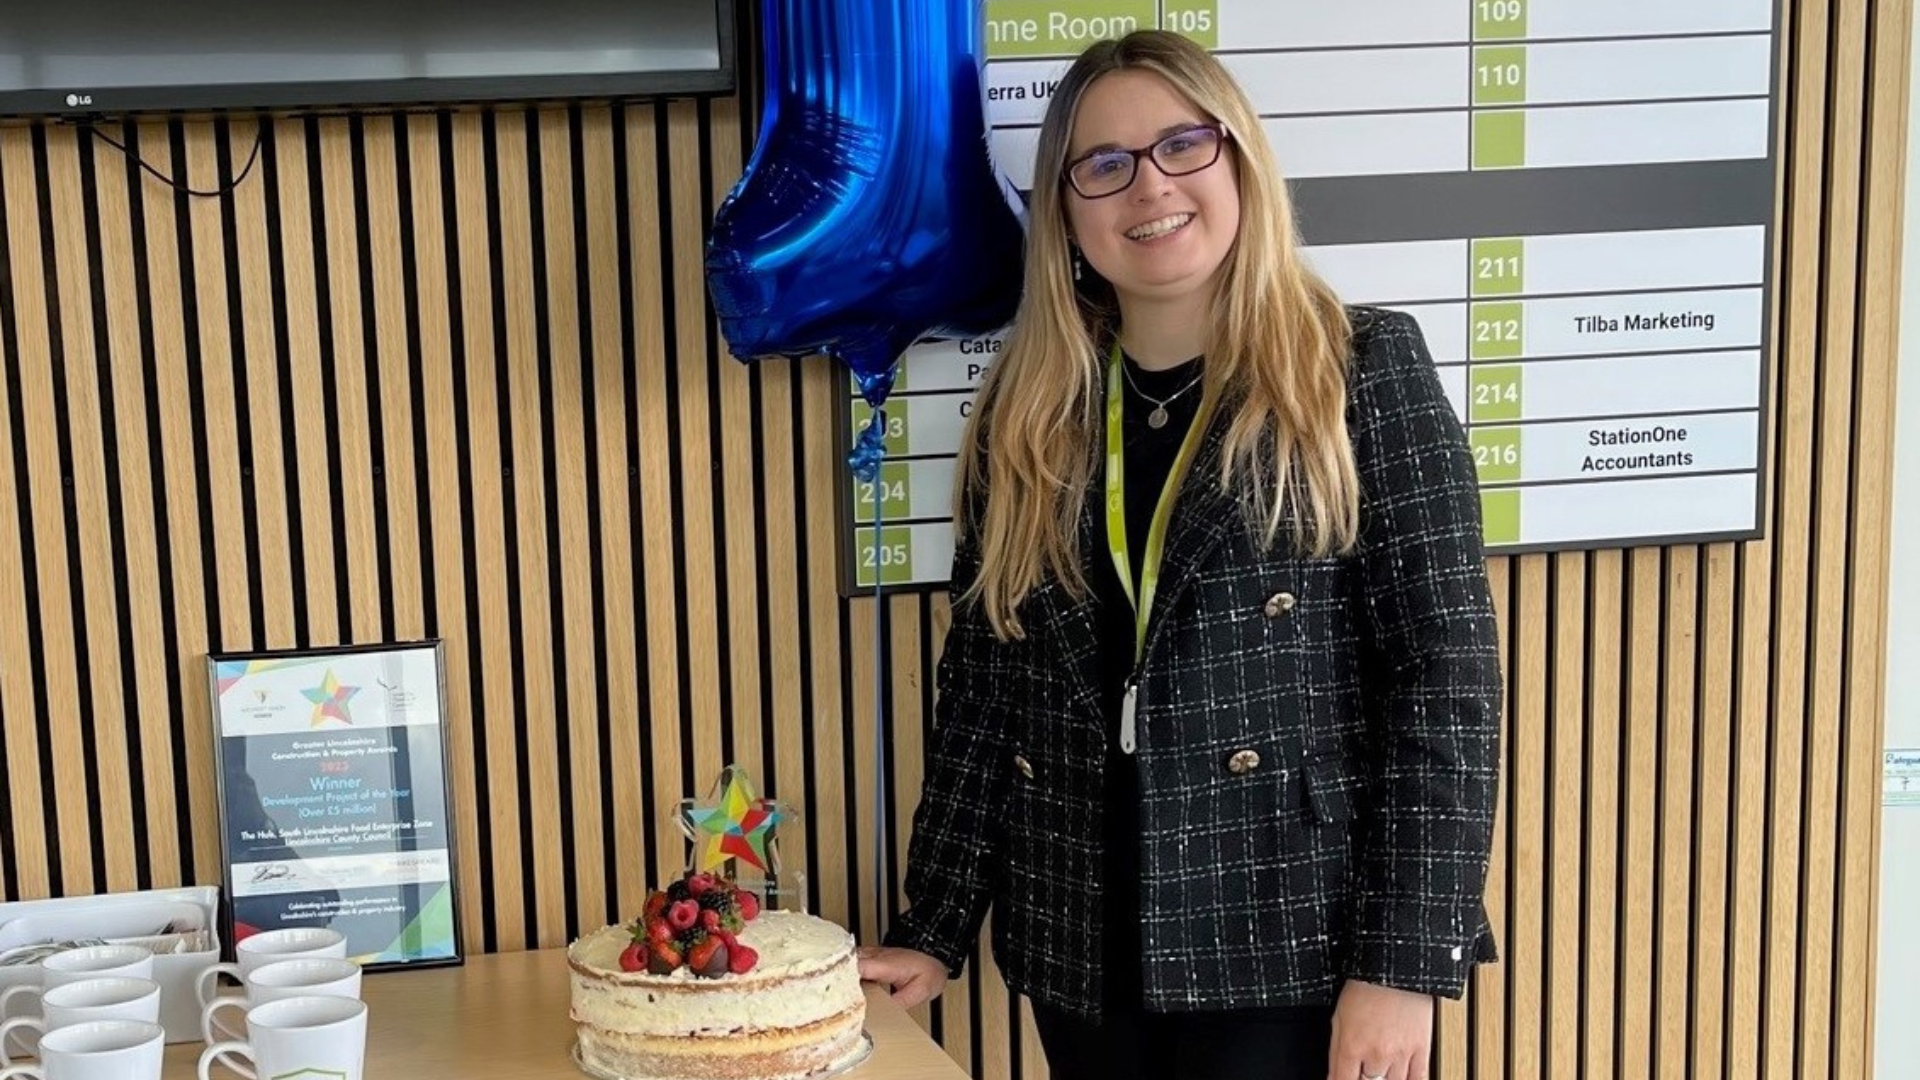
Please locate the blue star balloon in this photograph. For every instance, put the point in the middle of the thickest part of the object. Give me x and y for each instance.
(870, 215)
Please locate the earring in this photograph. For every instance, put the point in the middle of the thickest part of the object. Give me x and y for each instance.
(1076, 264)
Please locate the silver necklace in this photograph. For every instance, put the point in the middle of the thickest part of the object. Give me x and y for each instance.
(1157, 419)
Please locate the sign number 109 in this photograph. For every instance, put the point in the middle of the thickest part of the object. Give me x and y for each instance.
(1499, 20)
(1500, 11)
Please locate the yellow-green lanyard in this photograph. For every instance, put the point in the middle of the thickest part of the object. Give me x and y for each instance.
(1156, 533)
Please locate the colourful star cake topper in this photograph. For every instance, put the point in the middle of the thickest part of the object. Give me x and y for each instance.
(733, 823)
(330, 700)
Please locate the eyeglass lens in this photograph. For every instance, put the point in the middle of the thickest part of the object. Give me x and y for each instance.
(1178, 154)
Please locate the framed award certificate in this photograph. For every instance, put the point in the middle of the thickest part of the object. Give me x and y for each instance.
(333, 798)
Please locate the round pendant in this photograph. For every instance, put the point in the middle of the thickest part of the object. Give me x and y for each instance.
(1157, 419)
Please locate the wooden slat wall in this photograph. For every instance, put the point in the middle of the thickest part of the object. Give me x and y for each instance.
(452, 375)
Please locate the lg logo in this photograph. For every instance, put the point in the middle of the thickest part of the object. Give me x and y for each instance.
(74, 101)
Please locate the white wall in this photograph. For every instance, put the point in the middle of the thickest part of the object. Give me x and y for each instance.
(1897, 1014)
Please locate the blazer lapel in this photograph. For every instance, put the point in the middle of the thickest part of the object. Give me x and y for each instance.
(1075, 622)
(1054, 615)
(1203, 516)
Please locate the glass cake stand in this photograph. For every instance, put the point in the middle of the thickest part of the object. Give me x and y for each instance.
(861, 1052)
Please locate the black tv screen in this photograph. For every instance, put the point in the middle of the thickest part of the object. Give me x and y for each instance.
(85, 57)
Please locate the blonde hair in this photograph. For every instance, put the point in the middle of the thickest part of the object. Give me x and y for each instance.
(1276, 357)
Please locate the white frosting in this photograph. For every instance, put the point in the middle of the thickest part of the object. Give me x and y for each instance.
(788, 943)
(805, 974)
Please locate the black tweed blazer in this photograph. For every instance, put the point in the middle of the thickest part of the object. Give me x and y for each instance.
(1319, 743)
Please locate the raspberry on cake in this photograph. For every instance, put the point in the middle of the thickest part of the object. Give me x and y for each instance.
(706, 986)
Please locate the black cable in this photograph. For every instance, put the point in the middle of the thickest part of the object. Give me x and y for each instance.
(223, 189)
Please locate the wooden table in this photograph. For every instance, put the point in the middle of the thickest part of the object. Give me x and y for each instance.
(504, 1017)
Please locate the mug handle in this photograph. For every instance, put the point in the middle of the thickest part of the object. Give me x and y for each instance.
(207, 1024)
(208, 984)
(22, 1072)
(22, 990)
(220, 1050)
(18, 1024)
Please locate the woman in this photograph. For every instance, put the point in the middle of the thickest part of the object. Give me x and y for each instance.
(1218, 726)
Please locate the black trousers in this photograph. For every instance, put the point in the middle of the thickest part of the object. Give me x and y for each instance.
(1244, 1044)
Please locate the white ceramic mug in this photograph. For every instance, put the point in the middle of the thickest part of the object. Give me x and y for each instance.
(97, 1050)
(268, 946)
(115, 997)
(308, 976)
(318, 1036)
(90, 962)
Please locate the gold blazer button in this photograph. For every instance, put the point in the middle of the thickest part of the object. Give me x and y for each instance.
(1279, 604)
(1243, 761)
(1025, 766)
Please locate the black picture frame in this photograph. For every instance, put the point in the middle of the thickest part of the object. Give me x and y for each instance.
(336, 810)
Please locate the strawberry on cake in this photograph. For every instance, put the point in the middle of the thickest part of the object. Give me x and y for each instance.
(706, 986)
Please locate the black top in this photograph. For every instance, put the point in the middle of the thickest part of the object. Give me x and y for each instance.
(1150, 453)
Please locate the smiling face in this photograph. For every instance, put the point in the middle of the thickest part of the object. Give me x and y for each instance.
(1163, 238)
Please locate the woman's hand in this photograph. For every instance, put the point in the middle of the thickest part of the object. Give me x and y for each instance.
(1380, 1032)
(913, 976)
